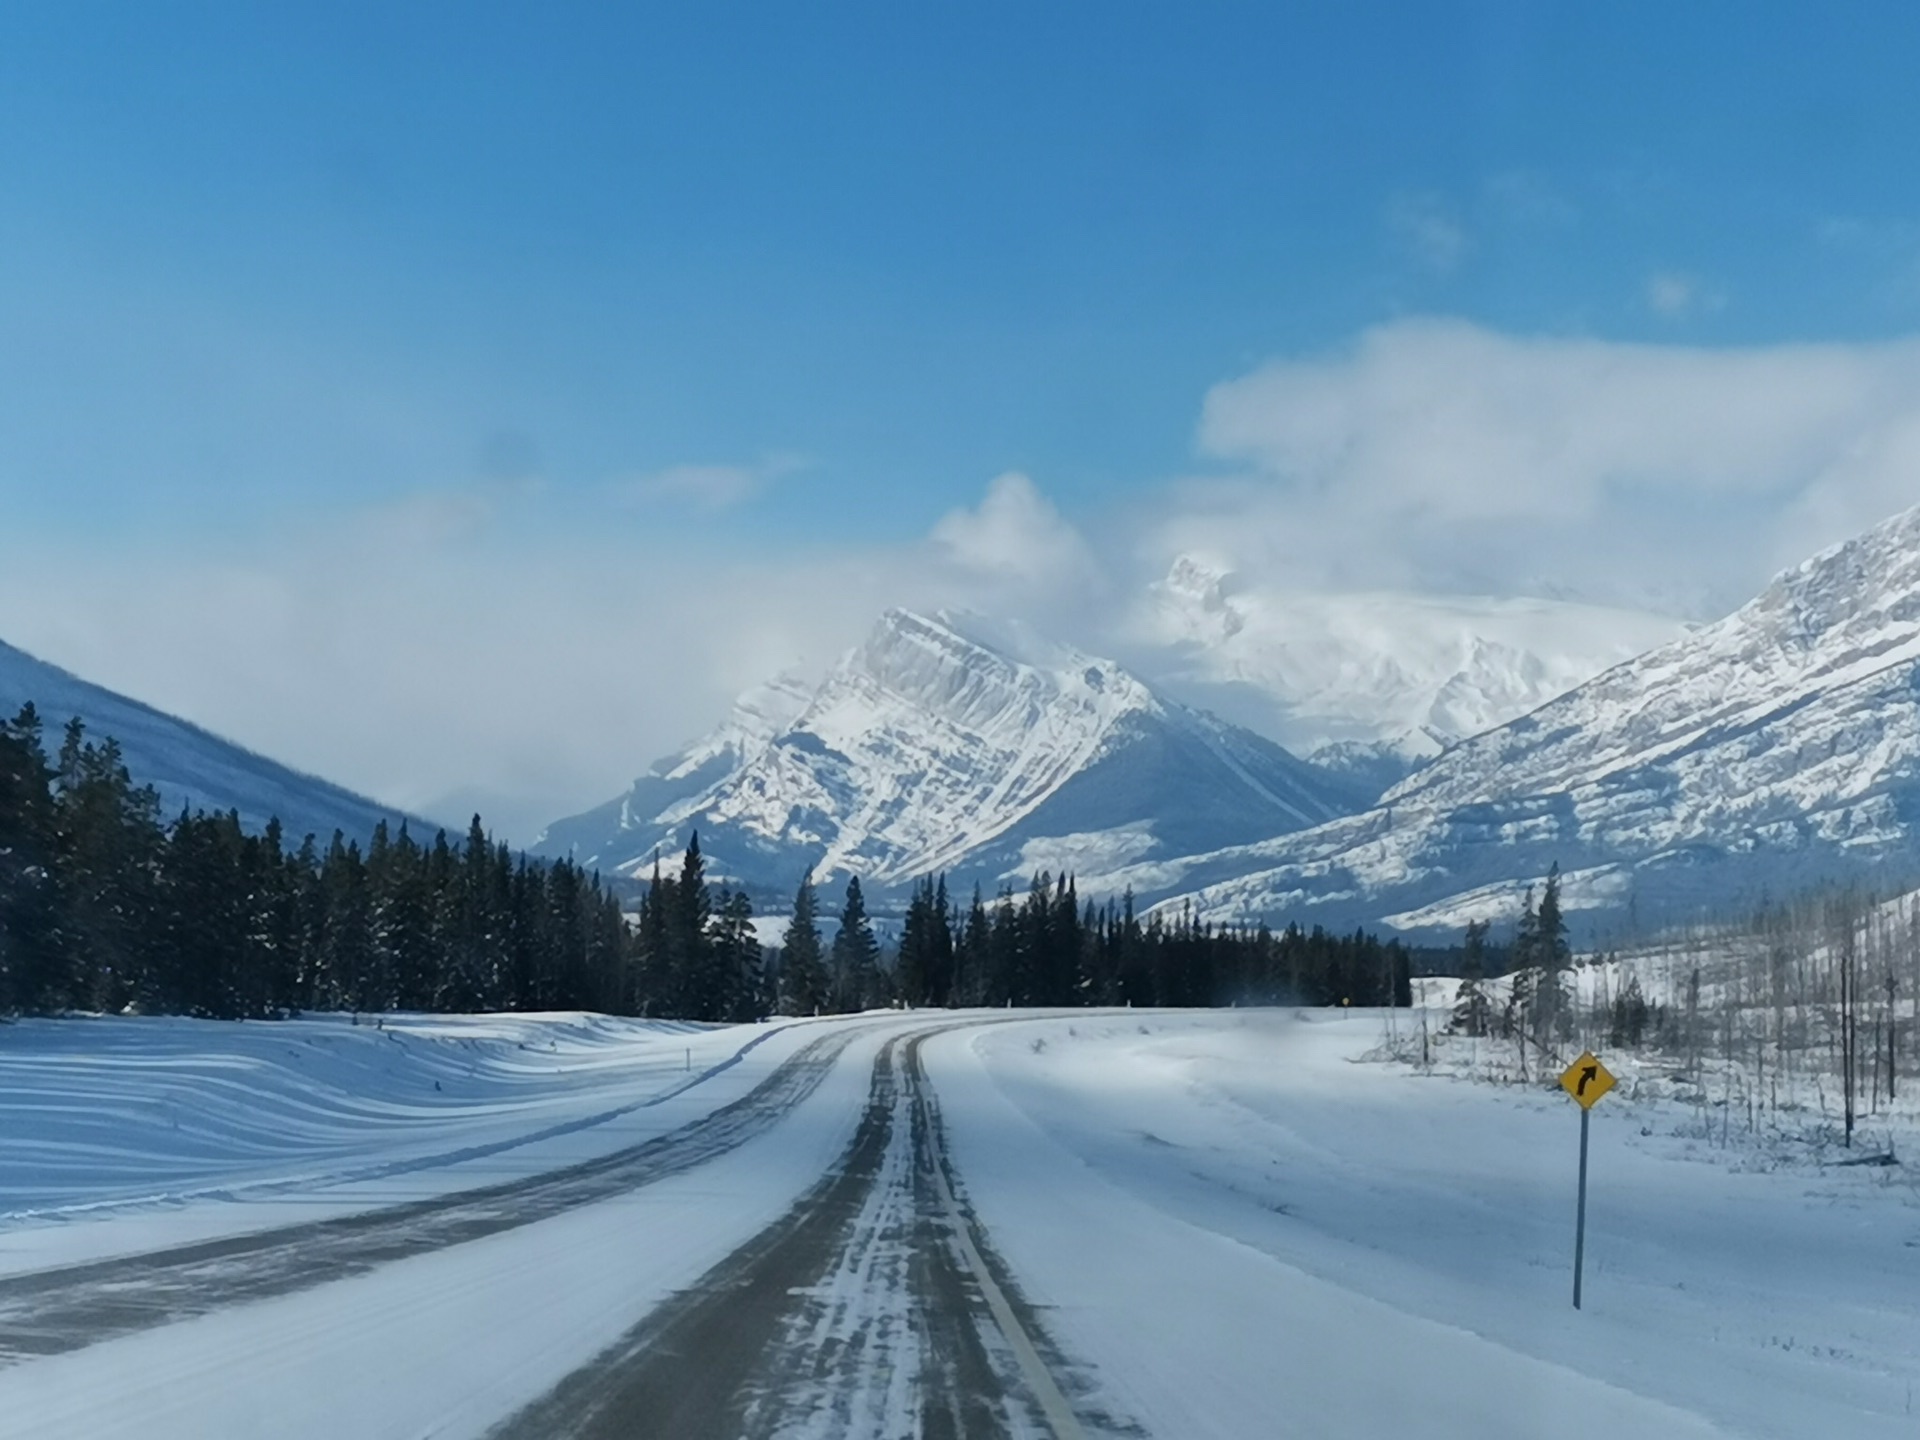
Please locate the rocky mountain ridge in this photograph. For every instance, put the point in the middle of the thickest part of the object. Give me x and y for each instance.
(955, 744)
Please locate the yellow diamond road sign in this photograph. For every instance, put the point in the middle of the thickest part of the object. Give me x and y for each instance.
(1586, 1080)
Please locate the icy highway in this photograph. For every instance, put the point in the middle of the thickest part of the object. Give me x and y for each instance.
(792, 1260)
(973, 1224)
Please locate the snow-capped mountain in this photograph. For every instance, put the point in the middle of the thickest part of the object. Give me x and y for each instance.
(680, 785)
(1776, 746)
(953, 744)
(1374, 684)
(187, 765)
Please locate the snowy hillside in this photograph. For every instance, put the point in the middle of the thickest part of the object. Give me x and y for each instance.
(951, 744)
(1375, 683)
(1777, 745)
(680, 784)
(187, 765)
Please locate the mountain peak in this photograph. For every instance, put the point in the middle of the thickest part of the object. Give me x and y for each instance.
(956, 742)
(1862, 582)
(1376, 669)
(1767, 751)
(969, 667)
(1194, 603)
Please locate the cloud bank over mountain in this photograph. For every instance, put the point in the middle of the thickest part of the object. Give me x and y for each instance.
(513, 645)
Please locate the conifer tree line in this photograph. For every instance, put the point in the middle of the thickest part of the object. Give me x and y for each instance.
(105, 905)
(1046, 947)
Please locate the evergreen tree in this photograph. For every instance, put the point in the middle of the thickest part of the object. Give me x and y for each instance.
(688, 951)
(108, 840)
(735, 992)
(403, 948)
(1553, 1008)
(1133, 974)
(1627, 1025)
(973, 954)
(940, 949)
(346, 978)
(856, 955)
(33, 952)
(924, 973)
(468, 912)
(655, 907)
(804, 987)
(102, 905)
(1472, 1011)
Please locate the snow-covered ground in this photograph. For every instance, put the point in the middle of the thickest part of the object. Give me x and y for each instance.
(159, 1131)
(446, 1342)
(1222, 1223)
(1258, 1235)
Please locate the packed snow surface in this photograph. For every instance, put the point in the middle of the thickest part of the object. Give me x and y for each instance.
(1339, 1248)
(1223, 1223)
(115, 1113)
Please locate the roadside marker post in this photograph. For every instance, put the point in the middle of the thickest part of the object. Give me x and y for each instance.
(1586, 1080)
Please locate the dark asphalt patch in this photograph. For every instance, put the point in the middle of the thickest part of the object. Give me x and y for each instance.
(750, 1351)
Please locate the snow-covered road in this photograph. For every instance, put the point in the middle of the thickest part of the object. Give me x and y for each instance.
(1174, 1224)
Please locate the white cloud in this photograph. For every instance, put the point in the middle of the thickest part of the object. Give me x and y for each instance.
(453, 650)
(707, 487)
(1672, 294)
(1015, 534)
(526, 673)
(1439, 452)
(1430, 229)
(470, 642)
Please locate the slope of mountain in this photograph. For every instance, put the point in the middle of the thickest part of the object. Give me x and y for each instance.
(1772, 748)
(1375, 684)
(680, 785)
(950, 744)
(187, 765)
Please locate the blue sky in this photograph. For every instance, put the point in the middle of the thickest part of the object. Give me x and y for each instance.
(675, 285)
(265, 258)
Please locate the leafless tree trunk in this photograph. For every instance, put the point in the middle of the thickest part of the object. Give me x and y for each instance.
(1848, 962)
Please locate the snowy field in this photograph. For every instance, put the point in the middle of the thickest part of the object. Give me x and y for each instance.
(161, 1130)
(1205, 1224)
(1263, 1236)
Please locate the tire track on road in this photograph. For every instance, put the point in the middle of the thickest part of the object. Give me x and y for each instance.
(50, 1312)
(868, 1309)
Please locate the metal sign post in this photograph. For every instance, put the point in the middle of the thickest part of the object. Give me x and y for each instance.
(1580, 1223)
(1586, 1080)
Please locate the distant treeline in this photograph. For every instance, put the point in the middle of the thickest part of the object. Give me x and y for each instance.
(1045, 947)
(106, 906)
